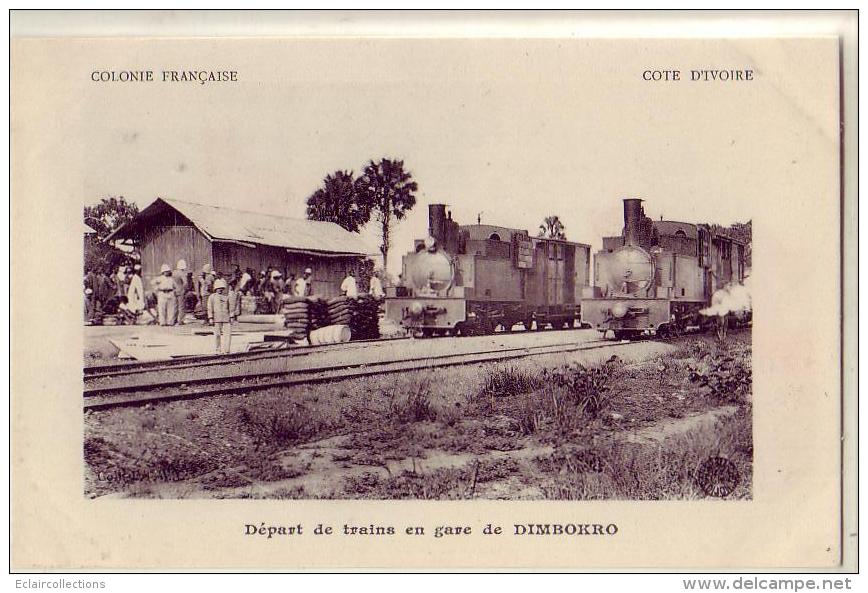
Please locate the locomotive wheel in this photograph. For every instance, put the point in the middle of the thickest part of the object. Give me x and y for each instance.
(486, 327)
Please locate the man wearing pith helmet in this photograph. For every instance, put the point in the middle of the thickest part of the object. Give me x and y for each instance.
(221, 313)
(164, 286)
(302, 285)
(179, 276)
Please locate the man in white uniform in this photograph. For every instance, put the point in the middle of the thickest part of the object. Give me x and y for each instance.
(302, 285)
(348, 287)
(164, 286)
(376, 287)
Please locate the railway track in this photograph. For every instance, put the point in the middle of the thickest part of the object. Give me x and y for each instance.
(94, 372)
(105, 396)
(205, 360)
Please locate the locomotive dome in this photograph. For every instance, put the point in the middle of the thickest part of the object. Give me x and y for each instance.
(631, 268)
(430, 269)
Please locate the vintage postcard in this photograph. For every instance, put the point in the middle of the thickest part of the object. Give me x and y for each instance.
(429, 300)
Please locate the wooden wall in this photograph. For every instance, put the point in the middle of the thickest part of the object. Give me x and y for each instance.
(168, 244)
(328, 271)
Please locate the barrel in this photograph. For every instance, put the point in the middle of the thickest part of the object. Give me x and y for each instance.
(332, 334)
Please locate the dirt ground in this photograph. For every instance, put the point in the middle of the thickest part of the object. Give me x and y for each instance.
(624, 423)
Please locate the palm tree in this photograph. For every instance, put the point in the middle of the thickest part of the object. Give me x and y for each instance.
(388, 189)
(552, 228)
(336, 201)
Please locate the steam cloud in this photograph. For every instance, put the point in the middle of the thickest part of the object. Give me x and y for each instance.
(733, 298)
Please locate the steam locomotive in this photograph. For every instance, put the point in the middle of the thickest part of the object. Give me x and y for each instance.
(657, 276)
(470, 279)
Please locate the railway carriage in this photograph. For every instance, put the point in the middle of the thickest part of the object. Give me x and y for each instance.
(657, 275)
(470, 279)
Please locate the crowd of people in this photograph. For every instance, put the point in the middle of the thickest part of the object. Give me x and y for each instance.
(177, 292)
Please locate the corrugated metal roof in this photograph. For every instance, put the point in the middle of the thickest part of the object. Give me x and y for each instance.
(228, 224)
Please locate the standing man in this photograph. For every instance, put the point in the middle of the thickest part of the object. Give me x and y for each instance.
(179, 277)
(136, 291)
(302, 285)
(376, 287)
(349, 288)
(164, 286)
(245, 282)
(204, 283)
(221, 313)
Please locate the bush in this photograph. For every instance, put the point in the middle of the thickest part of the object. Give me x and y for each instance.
(587, 388)
(416, 406)
(727, 376)
(507, 381)
(279, 426)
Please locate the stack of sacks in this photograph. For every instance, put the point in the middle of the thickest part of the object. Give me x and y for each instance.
(318, 312)
(339, 311)
(248, 305)
(364, 319)
(295, 311)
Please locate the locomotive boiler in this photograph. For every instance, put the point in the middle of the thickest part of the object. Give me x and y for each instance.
(657, 276)
(470, 279)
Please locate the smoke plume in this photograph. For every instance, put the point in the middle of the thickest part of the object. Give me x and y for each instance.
(733, 298)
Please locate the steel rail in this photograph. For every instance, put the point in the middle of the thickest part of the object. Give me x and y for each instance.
(200, 360)
(142, 394)
(203, 360)
(103, 389)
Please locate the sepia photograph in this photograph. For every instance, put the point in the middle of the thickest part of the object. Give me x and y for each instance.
(499, 281)
(401, 312)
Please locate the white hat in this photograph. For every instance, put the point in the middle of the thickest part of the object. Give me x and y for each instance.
(88, 291)
(182, 265)
(308, 271)
(137, 267)
(206, 268)
(219, 283)
(165, 268)
(276, 274)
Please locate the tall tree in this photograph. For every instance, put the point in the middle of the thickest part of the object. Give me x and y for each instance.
(336, 201)
(389, 189)
(552, 228)
(109, 214)
(105, 217)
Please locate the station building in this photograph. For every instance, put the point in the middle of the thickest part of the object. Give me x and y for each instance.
(168, 230)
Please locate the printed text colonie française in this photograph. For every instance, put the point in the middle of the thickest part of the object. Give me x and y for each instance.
(197, 76)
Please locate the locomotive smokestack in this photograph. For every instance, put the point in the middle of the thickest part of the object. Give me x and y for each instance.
(437, 222)
(633, 214)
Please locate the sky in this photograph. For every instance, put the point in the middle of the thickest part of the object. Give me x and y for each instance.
(510, 130)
